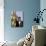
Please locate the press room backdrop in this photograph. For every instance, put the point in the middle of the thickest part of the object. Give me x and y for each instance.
(29, 7)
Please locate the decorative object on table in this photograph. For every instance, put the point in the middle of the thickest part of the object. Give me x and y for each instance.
(4, 43)
(44, 19)
(16, 18)
(39, 16)
(28, 40)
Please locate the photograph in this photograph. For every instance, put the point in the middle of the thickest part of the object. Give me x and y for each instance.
(16, 18)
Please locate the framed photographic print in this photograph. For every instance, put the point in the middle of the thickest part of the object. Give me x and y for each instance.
(16, 18)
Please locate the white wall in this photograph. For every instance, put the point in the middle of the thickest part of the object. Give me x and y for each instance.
(1, 20)
(43, 6)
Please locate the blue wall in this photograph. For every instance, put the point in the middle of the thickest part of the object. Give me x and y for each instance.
(29, 7)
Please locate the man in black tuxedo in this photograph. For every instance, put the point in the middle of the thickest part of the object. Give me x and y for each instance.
(20, 22)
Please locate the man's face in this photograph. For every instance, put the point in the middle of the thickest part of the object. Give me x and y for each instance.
(19, 18)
